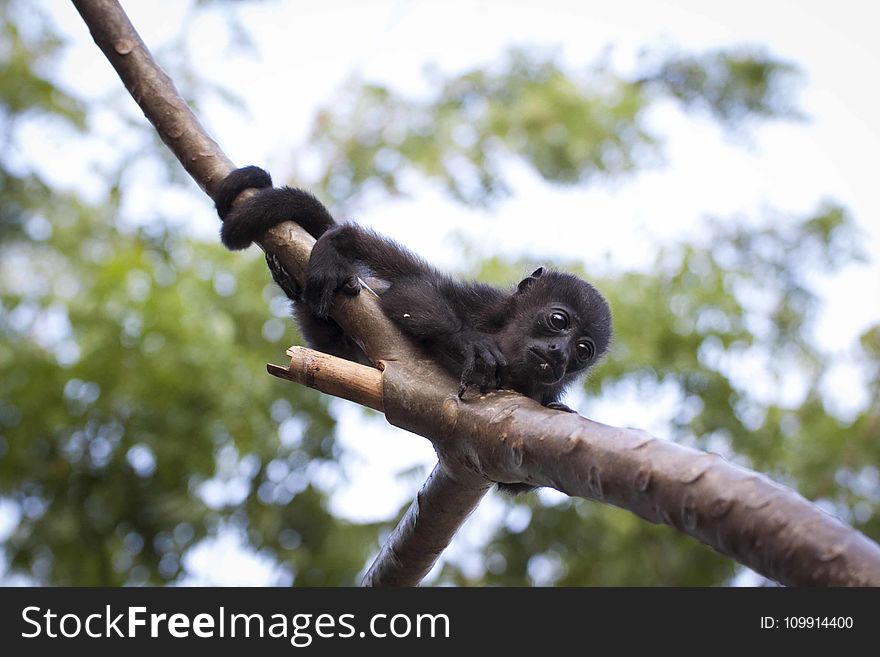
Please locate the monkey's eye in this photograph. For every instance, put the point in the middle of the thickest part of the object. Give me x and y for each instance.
(558, 321)
(586, 349)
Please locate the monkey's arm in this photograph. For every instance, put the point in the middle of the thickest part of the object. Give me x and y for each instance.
(424, 303)
(424, 313)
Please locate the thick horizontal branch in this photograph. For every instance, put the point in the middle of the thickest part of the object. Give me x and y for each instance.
(762, 524)
(503, 436)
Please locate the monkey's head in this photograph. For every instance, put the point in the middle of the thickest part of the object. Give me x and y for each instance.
(560, 326)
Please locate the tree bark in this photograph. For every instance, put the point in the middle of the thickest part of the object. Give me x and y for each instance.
(503, 436)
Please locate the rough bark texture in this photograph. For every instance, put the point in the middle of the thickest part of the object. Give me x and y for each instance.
(154, 92)
(445, 501)
(764, 525)
(503, 436)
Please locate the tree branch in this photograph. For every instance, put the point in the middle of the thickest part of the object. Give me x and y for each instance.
(203, 159)
(503, 436)
(442, 505)
(507, 437)
(335, 376)
(155, 92)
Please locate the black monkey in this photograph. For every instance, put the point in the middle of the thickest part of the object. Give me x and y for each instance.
(535, 339)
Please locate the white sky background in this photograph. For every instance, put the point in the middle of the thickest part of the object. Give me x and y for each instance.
(307, 51)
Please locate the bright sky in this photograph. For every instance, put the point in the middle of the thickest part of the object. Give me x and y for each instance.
(308, 50)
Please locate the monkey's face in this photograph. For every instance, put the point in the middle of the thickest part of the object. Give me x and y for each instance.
(547, 344)
(559, 326)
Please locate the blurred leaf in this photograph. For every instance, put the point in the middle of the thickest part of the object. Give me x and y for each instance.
(569, 126)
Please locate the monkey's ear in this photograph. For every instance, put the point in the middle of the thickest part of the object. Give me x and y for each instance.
(528, 280)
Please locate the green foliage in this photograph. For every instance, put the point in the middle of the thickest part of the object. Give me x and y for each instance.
(22, 58)
(733, 86)
(136, 418)
(135, 414)
(576, 543)
(570, 127)
(144, 390)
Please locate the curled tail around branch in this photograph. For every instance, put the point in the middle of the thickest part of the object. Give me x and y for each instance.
(247, 220)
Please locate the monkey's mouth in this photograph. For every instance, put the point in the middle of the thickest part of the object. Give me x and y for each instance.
(546, 372)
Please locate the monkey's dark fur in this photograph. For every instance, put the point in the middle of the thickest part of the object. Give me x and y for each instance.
(535, 339)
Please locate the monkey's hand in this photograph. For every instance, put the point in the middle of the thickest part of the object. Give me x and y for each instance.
(483, 363)
(328, 273)
(559, 406)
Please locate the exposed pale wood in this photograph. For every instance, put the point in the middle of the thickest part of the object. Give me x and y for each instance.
(335, 376)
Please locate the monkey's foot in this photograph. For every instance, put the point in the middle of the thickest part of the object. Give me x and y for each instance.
(321, 289)
(283, 278)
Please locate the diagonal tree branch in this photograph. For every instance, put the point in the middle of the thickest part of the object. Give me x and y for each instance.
(504, 436)
(444, 502)
(201, 156)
